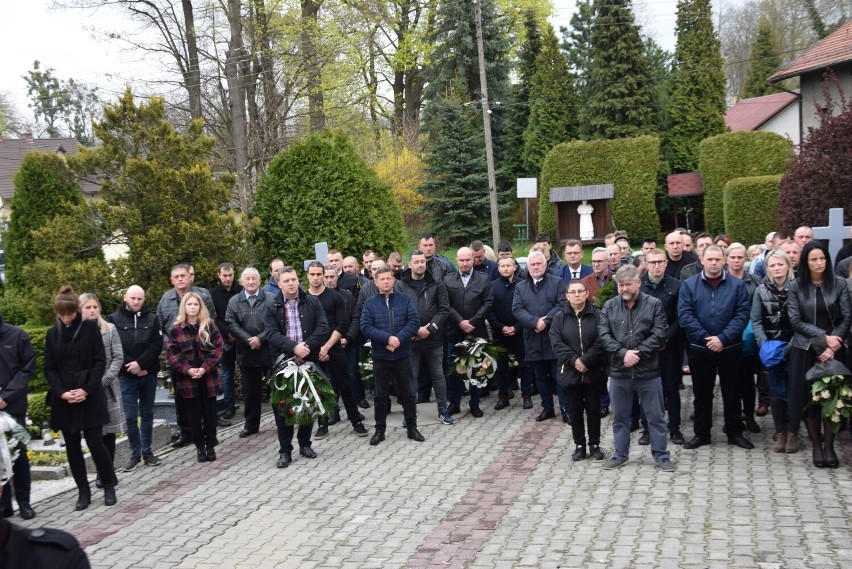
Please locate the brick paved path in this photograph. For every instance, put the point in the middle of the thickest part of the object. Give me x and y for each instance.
(485, 493)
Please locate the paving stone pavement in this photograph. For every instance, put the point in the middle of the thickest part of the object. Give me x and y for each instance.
(496, 492)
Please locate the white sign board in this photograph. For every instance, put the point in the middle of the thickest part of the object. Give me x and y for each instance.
(527, 187)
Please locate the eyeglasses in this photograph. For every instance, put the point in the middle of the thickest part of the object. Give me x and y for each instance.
(578, 292)
(602, 261)
(654, 262)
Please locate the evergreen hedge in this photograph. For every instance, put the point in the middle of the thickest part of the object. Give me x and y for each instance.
(732, 155)
(628, 163)
(751, 207)
(37, 334)
(319, 189)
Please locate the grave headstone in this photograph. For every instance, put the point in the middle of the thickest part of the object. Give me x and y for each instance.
(834, 234)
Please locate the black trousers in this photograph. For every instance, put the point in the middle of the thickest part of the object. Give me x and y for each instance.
(385, 372)
(285, 433)
(180, 409)
(201, 415)
(335, 368)
(100, 456)
(584, 397)
(253, 378)
(704, 365)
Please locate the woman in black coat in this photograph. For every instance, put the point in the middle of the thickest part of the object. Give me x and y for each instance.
(74, 364)
(574, 339)
(820, 315)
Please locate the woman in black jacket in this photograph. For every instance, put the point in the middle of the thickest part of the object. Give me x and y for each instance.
(574, 339)
(74, 364)
(820, 314)
(771, 321)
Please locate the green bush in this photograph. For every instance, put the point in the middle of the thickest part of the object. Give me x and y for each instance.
(751, 207)
(37, 410)
(319, 189)
(37, 335)
(628, 163)
(732, 155)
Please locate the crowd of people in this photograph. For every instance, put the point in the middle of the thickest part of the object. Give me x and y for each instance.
(614, 337)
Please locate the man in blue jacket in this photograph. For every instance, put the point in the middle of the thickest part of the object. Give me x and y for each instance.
(713, 310)
(390, 320)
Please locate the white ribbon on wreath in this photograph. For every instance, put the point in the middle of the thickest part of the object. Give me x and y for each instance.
(482, 380)
(303, 385)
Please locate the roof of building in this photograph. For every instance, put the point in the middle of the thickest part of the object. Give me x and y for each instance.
(750, 114)
(12, 153)
(832, 50)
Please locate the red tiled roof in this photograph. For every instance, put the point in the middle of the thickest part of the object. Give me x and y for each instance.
(749, 114)
(12, 153)
(836, 48)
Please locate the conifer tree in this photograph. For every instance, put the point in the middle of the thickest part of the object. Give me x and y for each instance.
(697, 103)
(620, 94)
(576, 43)
(765, 61)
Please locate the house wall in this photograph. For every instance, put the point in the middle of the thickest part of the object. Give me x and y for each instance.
(785, 123)
(811, 85)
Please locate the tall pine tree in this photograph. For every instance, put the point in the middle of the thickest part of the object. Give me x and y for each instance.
(620, 99)
(577, 44)
(553, 105)
(765, 61)
(697, 103)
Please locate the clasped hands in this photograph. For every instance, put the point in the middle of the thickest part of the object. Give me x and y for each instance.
(75, 396)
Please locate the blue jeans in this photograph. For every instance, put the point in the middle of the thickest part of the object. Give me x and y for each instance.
(137, 394)
(229, 393)
(545, 381)
(650, 393)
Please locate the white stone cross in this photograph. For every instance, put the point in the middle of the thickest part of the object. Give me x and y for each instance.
(321, 252)
(835, 233)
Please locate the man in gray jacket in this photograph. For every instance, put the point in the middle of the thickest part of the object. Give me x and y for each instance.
(632, 330)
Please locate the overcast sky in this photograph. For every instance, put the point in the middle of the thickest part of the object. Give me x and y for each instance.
(63, 40)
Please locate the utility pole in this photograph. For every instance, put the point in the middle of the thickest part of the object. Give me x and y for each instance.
(486, 123)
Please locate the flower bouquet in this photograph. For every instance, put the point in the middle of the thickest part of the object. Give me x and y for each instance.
(366, 366)
(831, 391)
(300, 391)
(475, 359)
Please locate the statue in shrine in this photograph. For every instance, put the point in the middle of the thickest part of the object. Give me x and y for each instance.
(587, 229)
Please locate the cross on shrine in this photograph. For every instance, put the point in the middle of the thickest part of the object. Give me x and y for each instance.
(321, 252)
(834, 234)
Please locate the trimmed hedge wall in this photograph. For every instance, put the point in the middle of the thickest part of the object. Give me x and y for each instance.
(628, 163)
(751, 207)
(732, 155)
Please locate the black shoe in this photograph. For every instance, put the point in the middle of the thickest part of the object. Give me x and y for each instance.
(322, 432)
(378, 437)
(422, 398)
(634, 426)
(696, 442)
(453, 409)
(109, 496)
(645, 439)
(84, 499)
(284, 460)
(26, 511)
(415, 435)
(361, 417)
(604, 412)
(211, 454)
(182, 441)
(831, 461)
(566, 418)
(579, 453)
(475, 411)
(752, 426)
(360, 429)
(545, 415)
(501, 404)
(334, 418)
(229, 413)
(307, 452)
(363, 404)
(677, 437)
(98, 484)
(220, 422)
(202, 455)
(595, 452)
(741, 441)
(247, 433)
(528, 404)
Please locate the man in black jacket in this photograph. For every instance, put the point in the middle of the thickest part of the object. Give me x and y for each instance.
(433, 306)
(17, 368)
(221, 294)
(632, 330)
(508, 334)
(296, 326)
(141, 343)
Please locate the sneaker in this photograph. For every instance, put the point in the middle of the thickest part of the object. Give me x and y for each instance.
(445, 417)
(595, 452)
(132, 464)
(322, 432)
(614, 463)
(645, 439)
(665, 465)
(360, 429)
(151, 460)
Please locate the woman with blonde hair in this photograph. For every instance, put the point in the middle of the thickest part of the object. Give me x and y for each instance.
(194, 348)
(90, 307)
(74, 364)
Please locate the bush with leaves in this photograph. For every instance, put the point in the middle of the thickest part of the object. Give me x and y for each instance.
(319, 189)
(751, 207)
(732, 155)
(402, 170)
